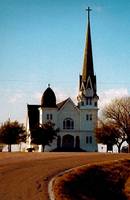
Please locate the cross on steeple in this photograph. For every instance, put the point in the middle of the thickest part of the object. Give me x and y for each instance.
(88, 10)
(88, 57)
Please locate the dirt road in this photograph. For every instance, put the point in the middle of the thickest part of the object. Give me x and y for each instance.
(25, 176)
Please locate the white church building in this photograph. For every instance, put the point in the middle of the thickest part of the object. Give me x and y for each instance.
(76, 122)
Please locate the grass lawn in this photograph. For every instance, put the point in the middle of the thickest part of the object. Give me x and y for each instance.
(104, 181)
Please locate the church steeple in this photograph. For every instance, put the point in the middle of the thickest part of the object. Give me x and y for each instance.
(88, 57)
(87, 82)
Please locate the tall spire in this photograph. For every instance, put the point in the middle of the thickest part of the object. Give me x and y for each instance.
(88, 58)
(87, 80)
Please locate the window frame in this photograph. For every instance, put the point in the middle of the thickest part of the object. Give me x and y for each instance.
(89, 117)
(68, 124)
(49, 116)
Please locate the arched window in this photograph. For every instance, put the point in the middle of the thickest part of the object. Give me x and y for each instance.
(68, 123)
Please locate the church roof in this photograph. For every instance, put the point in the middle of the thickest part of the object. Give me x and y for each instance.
(60, 105)
(33, 115)
(48, 98)
(88, 57)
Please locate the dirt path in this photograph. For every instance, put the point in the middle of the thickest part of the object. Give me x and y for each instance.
(25, 176)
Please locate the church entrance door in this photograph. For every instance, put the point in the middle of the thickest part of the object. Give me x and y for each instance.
(68, 142)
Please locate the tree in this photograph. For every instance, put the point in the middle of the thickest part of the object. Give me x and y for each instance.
(108, 133)
(118, 112)
(43, 134)
(12, 133)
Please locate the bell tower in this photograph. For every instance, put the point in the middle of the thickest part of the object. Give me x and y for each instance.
(87, 97)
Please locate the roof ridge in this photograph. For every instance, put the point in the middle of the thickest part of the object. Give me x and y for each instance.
(60, 104)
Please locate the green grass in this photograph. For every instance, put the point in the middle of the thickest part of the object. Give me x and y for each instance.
(95, 182)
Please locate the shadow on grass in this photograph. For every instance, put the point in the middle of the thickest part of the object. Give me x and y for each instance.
(99, 183)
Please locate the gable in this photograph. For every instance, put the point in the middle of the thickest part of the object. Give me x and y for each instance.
(69, 106)
(68, 111)
(61, 104)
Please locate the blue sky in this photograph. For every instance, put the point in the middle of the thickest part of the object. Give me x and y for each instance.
(42, 41)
